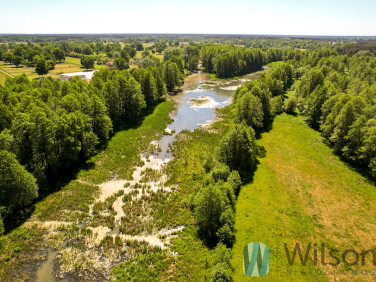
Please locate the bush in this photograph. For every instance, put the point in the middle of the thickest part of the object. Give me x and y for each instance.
(235, 181)
(208, 180)
(220, 172)
(223, 269)
(226, 235)
(209, 163)
(227, 193)
(1, 226)
(290, 106)
(372, 166)
(222, 273)
(277, 105)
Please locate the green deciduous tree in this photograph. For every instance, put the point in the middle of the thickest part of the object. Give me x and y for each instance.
(87, 62)
(17, 187)
(18, 60)
(290, 106)
(8, 57)
(41, 67)
(238, 149)
(209, 207)
(235, 181)
(59, 55)
(171, 75)
(121, 64)
(315, 102)
(249, 109)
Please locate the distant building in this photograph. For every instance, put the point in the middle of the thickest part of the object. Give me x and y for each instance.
(86, 75)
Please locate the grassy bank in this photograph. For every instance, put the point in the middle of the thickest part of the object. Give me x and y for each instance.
(195, 260)
(303, 193)
(213, 76)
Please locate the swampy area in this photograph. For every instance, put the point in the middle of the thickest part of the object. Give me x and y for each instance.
(125, 214)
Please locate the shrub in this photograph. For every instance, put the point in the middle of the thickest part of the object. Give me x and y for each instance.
(222, 273)
(290, 106)
(235, 181)
(220, 172)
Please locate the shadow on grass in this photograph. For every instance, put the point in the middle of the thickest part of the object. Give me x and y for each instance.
(294, 114)
(268, 127)
(352, 165)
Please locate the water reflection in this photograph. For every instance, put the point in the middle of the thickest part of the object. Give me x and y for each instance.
(189, 115)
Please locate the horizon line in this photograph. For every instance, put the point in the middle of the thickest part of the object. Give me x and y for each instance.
(162, 33)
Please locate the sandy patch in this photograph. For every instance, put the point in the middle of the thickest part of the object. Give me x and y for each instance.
(118, 208)
(172, 230)
(229, 88)
(111, 187)
(207, 124)
(100, 232)
(203, 102)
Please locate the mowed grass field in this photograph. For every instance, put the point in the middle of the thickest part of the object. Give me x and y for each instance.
(302, 193)
(69, 65)
(3, 77)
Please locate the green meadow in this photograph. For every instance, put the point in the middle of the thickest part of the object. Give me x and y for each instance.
(69, 65)
(302, 193)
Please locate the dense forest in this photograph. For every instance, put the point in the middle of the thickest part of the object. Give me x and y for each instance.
(337, 93)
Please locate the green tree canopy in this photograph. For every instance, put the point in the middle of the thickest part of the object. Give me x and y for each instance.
(41, 67)
(87, 62)
(18, 187)
(238, 148)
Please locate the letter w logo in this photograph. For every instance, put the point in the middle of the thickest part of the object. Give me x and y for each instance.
(256, 259)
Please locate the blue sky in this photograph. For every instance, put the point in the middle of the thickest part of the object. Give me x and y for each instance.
(288, 17)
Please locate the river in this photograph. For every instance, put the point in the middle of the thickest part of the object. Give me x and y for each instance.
(195, 106)
(209, 94)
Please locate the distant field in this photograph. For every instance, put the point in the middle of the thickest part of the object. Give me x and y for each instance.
(70, 65)
(157, 55)
(303, 193)
(3, 77)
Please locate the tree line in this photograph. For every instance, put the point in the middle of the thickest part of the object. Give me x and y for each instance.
(337, 93)
(48, 126)
(230, 60)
